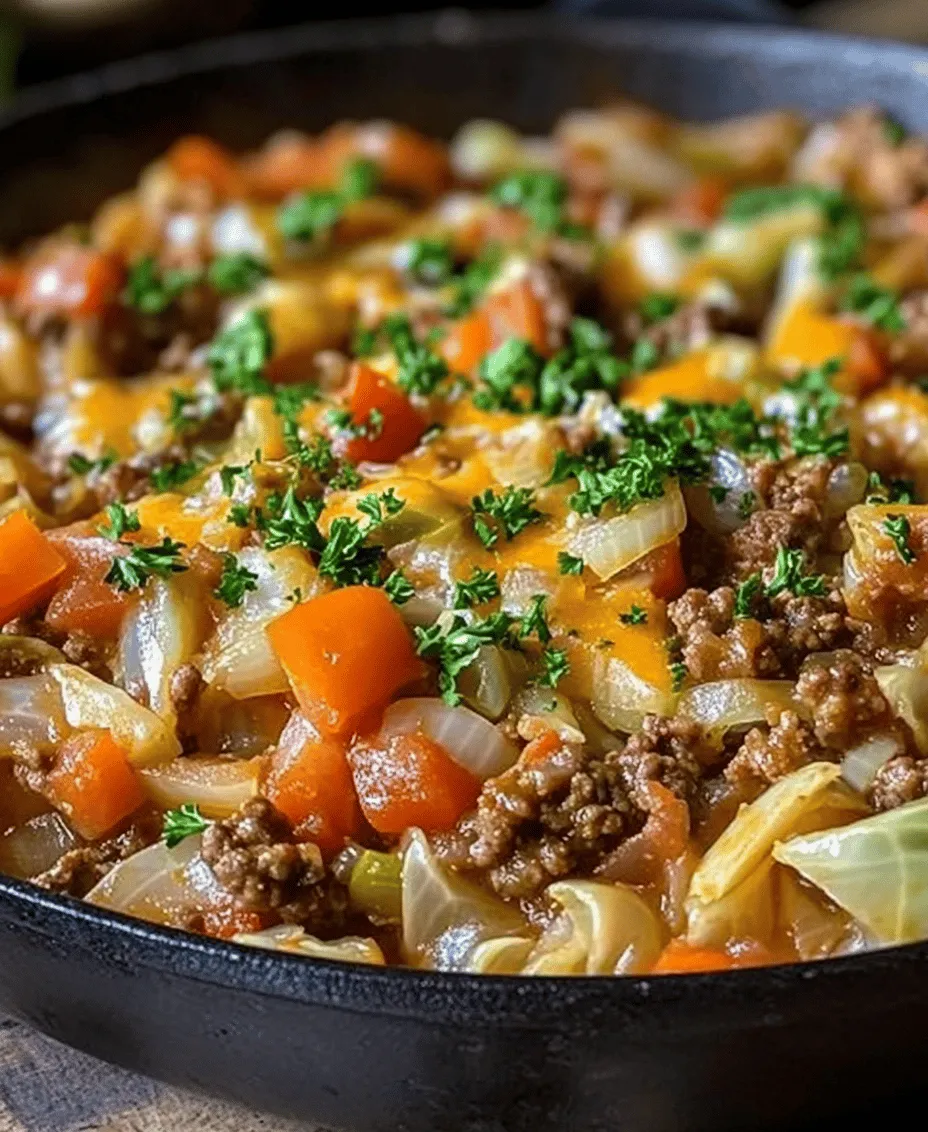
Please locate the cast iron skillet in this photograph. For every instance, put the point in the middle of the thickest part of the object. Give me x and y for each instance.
(402, 1051)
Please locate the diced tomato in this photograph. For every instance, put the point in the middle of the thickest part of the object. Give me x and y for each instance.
(313, 788)
(93, 784)
(410, 781)
(29, 565)
(69, 280)
(517, 313)
(202, 159)
(395, 431)
(345, 654)
(84, 602)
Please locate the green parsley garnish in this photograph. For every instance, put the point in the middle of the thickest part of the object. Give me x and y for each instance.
(473, 281)
(899, 530)
(151, 290)
(816, 401)
(430, 261)
(236, 581)
(658, 306)
(398, 588)
(378, 508)
(896, 491)
(169, 476)
(228, 474)
(541, 195)
(360, 179)
(746, 504)
(535, 620)
(678, 675)
(81, 466)
(747, 594)
(482, 586)
(347, 559)
(635, 616)
(569, 563)
(236, 273)
(455, 646)
(878, 305)
(239, 353)
(788, 576)
(182, 823)
(121, 520)
(555, 667)
(309, 215)
(239, 515)
(132, 571)
(511, 513)
(420, 370)
(290, 521)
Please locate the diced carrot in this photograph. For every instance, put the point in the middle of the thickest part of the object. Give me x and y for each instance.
(197, 158)
(10, 278)
(805, 337)
(664, 567)
(69, 280)
(539, 750)
(410, 160)
(93, 784)
(679, 958)
(345, 654)
(701, 202)
(29, 565)
(918, 218)
(689, 379)
(467, 342)
(286, 167)
(867, 366)
(395, 431)
(410, 781)
(84, 603)
(313, 788)
(517, 313)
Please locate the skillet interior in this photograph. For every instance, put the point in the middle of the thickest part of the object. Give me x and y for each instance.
(400, 1050)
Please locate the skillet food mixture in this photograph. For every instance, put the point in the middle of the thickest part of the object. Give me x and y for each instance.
(504, 557)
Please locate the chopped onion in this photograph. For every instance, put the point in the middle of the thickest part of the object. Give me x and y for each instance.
(483, 150)
(847, 486)
(472, 741)
(446, 917)
(90, 702)
(721, 517)
(35, 846)
(609, 545)
(541, 710)
(906, 689)
(31, 714)
(725, 705)
(486, 684)
(162, 633)
(151, 883)
(218, 786)
(656, 255)
(239, 658)
(294, 940)
(861, 763)
(26, 656)
(520, 585)
(621, 699)
(234, 231)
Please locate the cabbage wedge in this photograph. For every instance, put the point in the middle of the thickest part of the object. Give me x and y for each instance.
(875, 869)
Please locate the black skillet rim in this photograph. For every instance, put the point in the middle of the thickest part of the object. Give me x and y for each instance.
(398, 991)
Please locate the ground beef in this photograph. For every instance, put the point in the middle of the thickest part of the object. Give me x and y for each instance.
(908, 350)
(81, 649)
(842, 699)
(254, 856)
(690, 327)
(802, 625)
(565, 813)
(768, 755)
(185, 689)
(76, 873)
(898, 781)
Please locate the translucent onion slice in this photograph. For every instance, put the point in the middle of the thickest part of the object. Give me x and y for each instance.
(723, 516)
(218, 786)
(609, 545)
(861, 763)
(31, 714)
(621, 699)
(472, 741)
(295, 941)
(724, 705)
(35, 846)
(446, 917)
(90, 702)
(150, 884)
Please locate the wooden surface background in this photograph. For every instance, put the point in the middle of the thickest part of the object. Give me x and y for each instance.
(45, 1087)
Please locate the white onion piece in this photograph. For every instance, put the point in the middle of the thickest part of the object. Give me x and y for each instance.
(621, 699)
(486, 684)
(723, 516)
(446, 917)
(91, 702)
(35, 846)
(31, 714)
(847, 486)
(150, 884)
(483, 150)
(724, 705)
(239, 658)
(218, 786)
(861, 763)
(541, 710)
(609, 545)
(472, 741)
(234, 231)
(906, 690)
(295, 941)
(520, 585)
(162, 633)
(657, 256)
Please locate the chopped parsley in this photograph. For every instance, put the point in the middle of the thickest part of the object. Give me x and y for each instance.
(569, 563)
(360, 179)
(815, 404)
(455, 645)
(120, 522)
(228, 474)
(398, 588)
(555, 667)
(658, 306)
(747, 595)
(876, 304)
(236, 581)
(896, 491)
(430, 261)
(899, 530)
(468, 287)
(240, 352)
(539, 194)
(236, 273)
(420, 370)
(179, 824)
(678, 675)
(788, 576)
(151, 290)
(535, 620)
(482, 586)
(80, 465)
(309, 215)
(507, 514)
(514, 365)
(133, 570)
(378, 508)
(291, 521)
(635, 616)
(747, 504)
(169, 476)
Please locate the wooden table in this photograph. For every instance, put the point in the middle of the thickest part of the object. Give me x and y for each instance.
(45, 1087)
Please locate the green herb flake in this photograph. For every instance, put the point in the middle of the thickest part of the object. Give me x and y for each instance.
(236, 273)
(133, 570)
(747, 595)
(482, 586)
(179, 824)
(398, 588)
(120, 522)
(555, 666)
(635, 616)
(236, 581)
(899, 530)
(511, 512)
(151, 290)
(788, 576)
(569, 563)
(240, 352)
